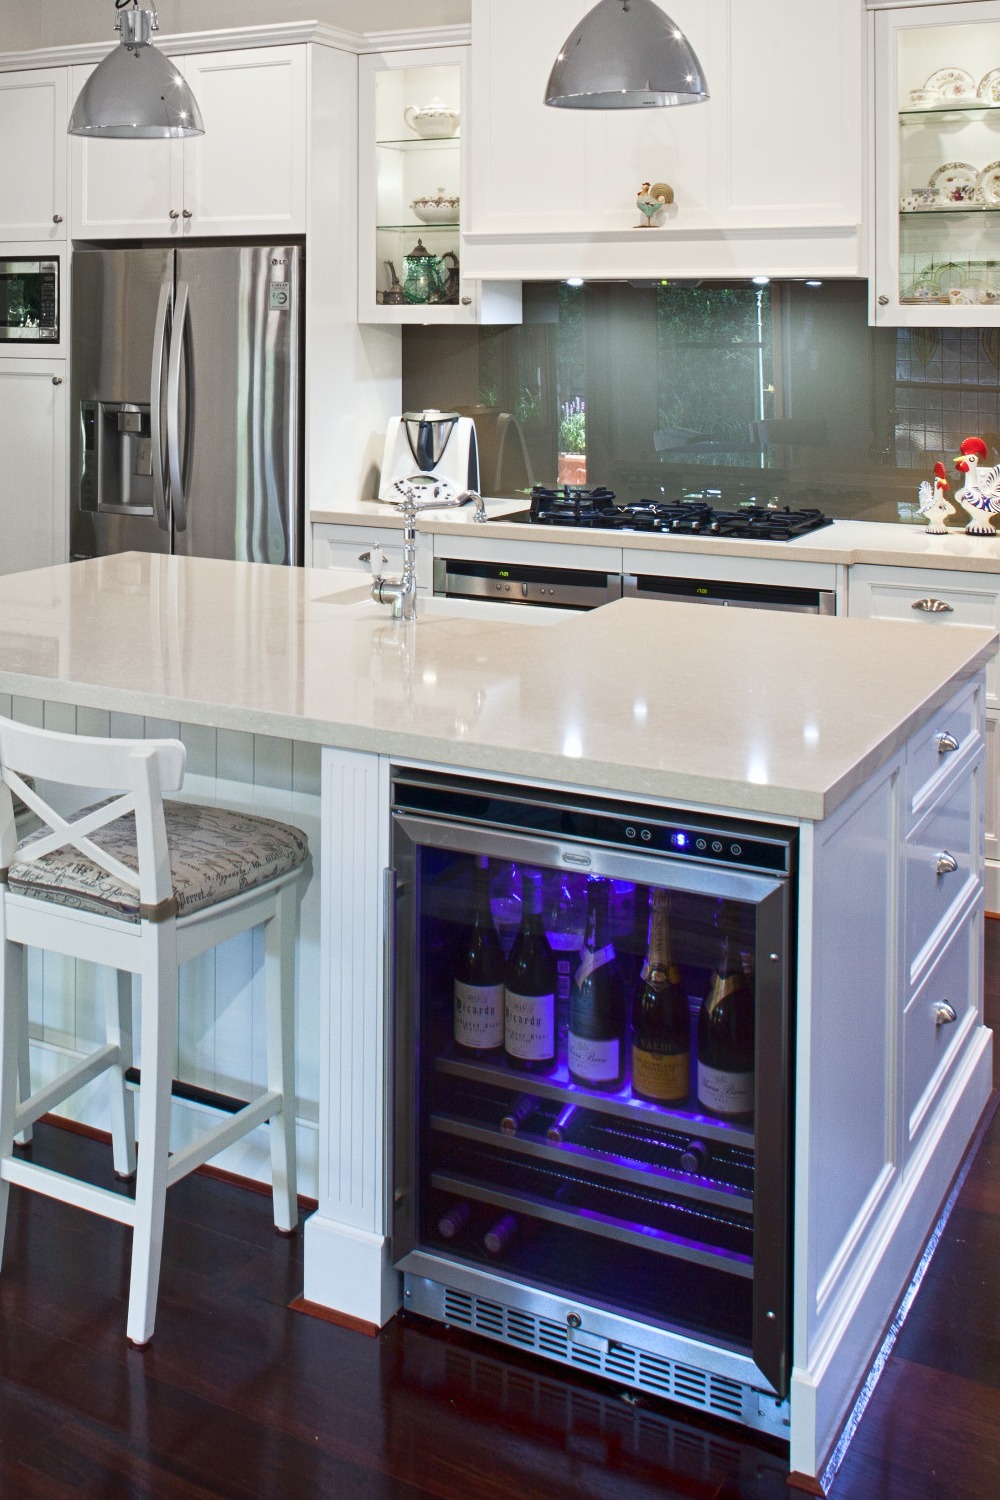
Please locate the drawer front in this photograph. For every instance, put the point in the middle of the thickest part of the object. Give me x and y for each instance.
(932, 1040)
(947, 738)
(932, 600)
(943, 859)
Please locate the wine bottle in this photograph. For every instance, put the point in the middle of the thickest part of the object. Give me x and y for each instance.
(559, 1131)
(454, 1220)
(694, 1157)
(565, 917)
(661, 1021)
(726, 1034)
(523, 1106)
(478, 979)
(500, 1234)
(530, 988)
(597, 1003)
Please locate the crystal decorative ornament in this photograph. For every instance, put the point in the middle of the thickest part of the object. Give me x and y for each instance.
(136, 93)
(625, 54)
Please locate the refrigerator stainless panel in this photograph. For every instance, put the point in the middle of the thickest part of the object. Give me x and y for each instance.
(237, 450)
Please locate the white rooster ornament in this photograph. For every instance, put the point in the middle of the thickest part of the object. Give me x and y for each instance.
(980, 495)
(934, 502)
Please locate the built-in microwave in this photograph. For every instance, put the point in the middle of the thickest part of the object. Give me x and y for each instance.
(29, 300)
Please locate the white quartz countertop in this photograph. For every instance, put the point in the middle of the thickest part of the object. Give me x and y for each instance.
(740, 709)
(844, 542)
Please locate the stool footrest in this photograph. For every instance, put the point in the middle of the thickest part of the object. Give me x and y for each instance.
(67, 1083)
(214, 1141)
(95, 1200)
(194, 1093)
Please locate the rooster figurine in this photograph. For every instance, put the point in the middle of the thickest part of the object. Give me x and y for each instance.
(980, 495)
(934, 502)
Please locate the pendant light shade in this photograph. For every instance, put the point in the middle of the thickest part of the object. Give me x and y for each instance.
(136, 93)
(625, 54)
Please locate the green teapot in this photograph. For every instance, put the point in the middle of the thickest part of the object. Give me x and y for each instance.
(423, 280)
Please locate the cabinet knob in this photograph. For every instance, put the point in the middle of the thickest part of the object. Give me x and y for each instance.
(946, 743)
(188, 214)
(174, 214)
(466, 301)
(57, 218)
(944, 1013)
(883, 301)
(933, 606)
(57, 380)
(946, 863)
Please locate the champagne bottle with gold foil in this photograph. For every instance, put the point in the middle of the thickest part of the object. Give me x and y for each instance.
(726, 1033)
(661, 1021)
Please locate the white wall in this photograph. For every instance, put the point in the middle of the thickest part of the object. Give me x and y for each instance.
(48, 23)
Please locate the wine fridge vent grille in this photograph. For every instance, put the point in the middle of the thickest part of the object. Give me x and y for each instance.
(619, 1362)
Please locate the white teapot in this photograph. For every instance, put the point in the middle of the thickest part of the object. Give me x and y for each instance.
(434, 120)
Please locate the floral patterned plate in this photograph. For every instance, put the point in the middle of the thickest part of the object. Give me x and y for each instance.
(952, 84)
(989, 185)
(989, 87)
(956, 182)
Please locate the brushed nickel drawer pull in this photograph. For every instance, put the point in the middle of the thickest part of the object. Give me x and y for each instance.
(946, 742)
(933, 606)
(944, 1013)
(947, 864)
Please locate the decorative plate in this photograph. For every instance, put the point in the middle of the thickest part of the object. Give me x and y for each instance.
(952, 84)
(989, 87)
(989, 184)
(956, 181)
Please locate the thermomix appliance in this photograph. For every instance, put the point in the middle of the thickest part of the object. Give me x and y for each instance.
(430, 450)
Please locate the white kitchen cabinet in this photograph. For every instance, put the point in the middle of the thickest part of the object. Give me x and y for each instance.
(245, 176)
(767, 175)
(33, 118)
(935, 173)
(33, 461)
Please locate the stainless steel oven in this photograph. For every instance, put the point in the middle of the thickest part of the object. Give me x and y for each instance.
(648, 1243)
(29, 300)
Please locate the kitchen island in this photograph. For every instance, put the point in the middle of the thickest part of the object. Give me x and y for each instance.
(830, 728)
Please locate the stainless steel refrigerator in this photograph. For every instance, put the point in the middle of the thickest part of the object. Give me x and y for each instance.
(187, 396)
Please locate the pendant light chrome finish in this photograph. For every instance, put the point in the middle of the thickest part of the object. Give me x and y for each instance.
(136, 93)
(625, 54)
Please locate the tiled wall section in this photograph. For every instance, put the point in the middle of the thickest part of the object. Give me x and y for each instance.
(221, 1043)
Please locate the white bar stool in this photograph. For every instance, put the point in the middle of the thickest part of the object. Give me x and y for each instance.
(140, 885)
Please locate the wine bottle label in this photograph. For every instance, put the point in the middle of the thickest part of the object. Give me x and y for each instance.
(725, 1093)
(478, 1015)
(591, 961)
(599, 1062)
(530, 1026)
(661, 1075)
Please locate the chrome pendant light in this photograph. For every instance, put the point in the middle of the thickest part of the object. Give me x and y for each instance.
(136, 93)
(625, 54)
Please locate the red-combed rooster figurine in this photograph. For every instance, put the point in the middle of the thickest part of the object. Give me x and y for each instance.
(934, 502)
(980, 495)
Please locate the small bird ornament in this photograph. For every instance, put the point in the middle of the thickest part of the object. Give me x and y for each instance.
(934, 501)
(980, 495)
(649, 201)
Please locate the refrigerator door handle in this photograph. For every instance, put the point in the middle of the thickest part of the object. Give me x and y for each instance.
(177, 495)
(161, 328)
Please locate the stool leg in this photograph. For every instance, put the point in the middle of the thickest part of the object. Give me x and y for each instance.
(23, 1137)
(159, 1037)
(13, 1006)
(279, 988)
(118, 1026)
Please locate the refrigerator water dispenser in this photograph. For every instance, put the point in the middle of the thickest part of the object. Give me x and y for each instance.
(117, 458)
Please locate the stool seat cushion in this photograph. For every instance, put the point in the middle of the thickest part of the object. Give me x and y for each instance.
(214, 855)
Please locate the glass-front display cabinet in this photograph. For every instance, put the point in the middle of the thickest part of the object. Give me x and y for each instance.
(411, 188)
(936, 175)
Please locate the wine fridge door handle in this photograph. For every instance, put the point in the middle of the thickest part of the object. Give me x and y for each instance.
(389, 890)
(177, 494)
(161, 327)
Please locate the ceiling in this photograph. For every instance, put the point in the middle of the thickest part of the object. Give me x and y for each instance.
(25, 24)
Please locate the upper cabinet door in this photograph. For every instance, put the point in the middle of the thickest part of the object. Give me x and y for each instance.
(33, 119)
(124, 189)
(766, 175)
(247, 173)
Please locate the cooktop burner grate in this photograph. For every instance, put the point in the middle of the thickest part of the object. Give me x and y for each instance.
(691, 515)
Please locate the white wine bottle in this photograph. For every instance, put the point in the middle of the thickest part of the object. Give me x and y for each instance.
(661, 1021)
(597, 1003)
(478, 978)
(726, 1034)
(530, 988)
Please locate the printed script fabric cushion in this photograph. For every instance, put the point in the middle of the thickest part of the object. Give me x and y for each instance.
(214, 855)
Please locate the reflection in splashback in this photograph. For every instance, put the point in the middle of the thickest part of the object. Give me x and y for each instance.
(781, 390)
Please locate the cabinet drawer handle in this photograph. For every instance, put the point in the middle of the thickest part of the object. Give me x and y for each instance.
(946, 743)
(947, 864)
(944, 1013)
(933, 606)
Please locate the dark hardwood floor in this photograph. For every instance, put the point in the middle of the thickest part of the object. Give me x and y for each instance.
(238, 1397)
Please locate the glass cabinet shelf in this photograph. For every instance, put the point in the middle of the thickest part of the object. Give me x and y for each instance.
(951, 208)
(941, 114)
(421, 143)
(418, 227)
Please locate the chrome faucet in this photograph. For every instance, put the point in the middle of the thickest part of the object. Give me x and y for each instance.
(401, 593)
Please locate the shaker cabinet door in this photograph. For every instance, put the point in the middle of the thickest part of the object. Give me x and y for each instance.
(33, 497)
(124, 189)
(33, 149)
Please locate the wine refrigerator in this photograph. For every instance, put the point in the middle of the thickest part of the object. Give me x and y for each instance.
(646, 1241)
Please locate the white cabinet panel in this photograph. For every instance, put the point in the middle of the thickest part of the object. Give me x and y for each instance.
(33, 118)
(33, 496)
(123, 189)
